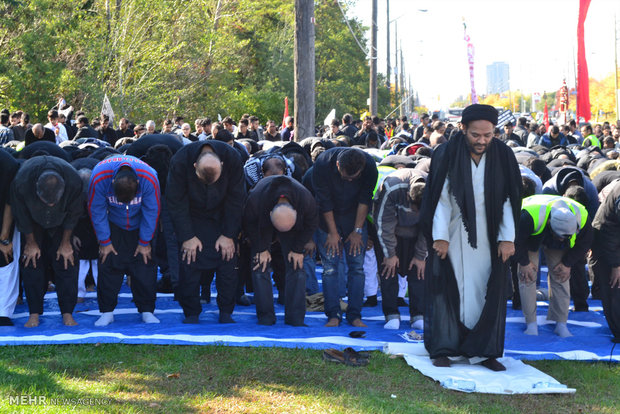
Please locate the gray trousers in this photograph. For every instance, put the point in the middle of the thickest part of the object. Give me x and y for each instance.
(559, 293)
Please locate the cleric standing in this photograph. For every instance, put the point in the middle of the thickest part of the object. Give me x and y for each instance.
(469, 212)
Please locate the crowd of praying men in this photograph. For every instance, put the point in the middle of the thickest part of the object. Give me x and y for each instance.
(171, 209)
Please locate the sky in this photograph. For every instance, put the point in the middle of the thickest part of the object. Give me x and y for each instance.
(537, 38)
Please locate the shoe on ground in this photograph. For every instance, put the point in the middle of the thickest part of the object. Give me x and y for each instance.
(226, 318)
(244, 300)
(442, 362)
(371, 301)
(493, 364)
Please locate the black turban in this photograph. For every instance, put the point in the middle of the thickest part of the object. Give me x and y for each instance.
(478, 112)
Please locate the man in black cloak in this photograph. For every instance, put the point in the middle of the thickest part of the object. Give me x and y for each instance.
(469, 214)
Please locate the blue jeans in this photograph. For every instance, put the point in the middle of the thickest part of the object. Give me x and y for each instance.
(312, 284)
(355, 278)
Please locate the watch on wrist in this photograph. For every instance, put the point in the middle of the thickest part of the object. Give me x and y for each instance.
(5, 242)
(358, 230)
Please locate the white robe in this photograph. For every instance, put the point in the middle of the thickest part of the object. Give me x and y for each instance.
(9, 280)
(472, 267)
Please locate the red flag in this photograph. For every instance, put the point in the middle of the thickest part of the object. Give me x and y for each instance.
(285, 112)
(546, 117)
(583, 86)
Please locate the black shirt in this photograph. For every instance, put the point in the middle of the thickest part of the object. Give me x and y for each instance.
(261, 200)
(28, 208)
(338, 195)
(191, 201)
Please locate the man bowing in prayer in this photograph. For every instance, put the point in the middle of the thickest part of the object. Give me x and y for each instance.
(469, 212)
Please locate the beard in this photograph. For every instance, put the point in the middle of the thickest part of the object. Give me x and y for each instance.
(476, 149)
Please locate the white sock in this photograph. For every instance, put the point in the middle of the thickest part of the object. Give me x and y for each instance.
(392, 324)
(148, 317)
(561, 330)
(532, 329)
(418, 325)
(105, 319)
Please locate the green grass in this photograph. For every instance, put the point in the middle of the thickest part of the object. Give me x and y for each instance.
(219, 379)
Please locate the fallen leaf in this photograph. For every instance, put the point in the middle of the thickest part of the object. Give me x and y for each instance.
(175, 375)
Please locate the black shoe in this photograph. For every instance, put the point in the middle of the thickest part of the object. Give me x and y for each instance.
(192, 319)
(370, 301)
(226, 318)
(164, 285)
(493, 364)
(244, 301)
(581, 308)
(4, 321)
(401, 302)
(267, 321)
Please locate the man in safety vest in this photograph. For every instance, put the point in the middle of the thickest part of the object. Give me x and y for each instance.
(589, 138)
(563, 228)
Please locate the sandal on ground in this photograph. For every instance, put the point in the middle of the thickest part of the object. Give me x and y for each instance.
(334, 355)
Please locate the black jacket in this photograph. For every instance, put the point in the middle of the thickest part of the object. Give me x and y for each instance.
(108, 135)
(8, 169)
(261, 200)
(86, 132)
(48, 135)
(338, 195)
(28, 209)
(191, 202)
(349, 130)
(606, 224)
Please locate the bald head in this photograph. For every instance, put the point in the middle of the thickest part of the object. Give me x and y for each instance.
(37, 130)
(208, 167)
(283, 217)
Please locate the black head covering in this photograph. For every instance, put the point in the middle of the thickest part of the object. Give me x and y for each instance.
(224, 135)
(478, 112)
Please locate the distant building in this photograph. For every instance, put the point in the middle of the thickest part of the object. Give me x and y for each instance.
(498, 77)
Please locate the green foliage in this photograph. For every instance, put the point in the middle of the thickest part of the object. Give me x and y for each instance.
(159, 58)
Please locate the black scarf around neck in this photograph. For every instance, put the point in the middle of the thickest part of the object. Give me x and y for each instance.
(461, 184)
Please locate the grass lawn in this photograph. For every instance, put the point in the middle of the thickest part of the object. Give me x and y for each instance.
(219, 379)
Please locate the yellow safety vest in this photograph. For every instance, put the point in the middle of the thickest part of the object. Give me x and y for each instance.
(539, 206)
(594, 141)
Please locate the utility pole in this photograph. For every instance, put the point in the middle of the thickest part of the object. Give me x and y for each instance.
(304, 69)
(616, 67)
(402, 80)
(389, 69)
(396, 65)
(373, 61)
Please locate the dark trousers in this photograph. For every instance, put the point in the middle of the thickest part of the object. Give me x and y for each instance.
(579, 288)
(172, 245)
(35, 281)
(294, 293)
(189, 284)
(610, 297)
(112, 271)
(405, 250)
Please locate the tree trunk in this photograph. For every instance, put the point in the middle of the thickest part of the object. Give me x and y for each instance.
(304, 69)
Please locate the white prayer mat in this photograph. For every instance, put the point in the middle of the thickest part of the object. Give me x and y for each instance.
(518, 378)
